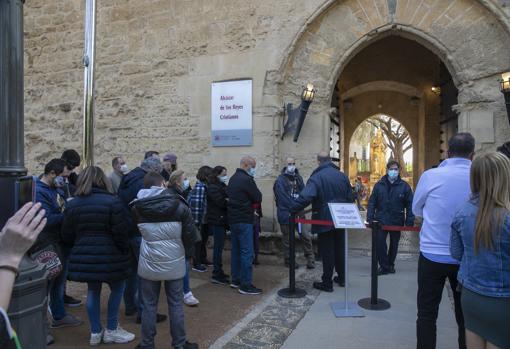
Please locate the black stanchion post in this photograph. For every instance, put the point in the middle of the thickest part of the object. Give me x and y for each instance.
(374, 303)
(292, 291)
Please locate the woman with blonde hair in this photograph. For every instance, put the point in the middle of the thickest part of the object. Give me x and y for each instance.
(96, 229)
(480, 240)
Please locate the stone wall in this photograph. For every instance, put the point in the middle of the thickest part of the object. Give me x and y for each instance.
(156, 60)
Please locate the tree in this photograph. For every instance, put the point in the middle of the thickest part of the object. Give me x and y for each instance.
(396, 137)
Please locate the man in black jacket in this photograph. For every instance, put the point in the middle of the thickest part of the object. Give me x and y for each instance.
(327, 184)
(390, 204)
(243, 193)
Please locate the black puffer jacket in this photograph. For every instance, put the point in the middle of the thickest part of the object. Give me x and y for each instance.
(130, 185)
(95, 227)
(217, 203)
(242, 194)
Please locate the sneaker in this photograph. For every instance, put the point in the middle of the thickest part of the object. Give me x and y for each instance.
(119, 335)
(322, 287)
(220, 280)
(67, 321)
(235, 284)
(188, 345)
(200, 268)
(96, 338)
(190, 300)
(50, 339)
(336, 279)
(72, 302)
(382, 271)
(159, 318)
(249, 290)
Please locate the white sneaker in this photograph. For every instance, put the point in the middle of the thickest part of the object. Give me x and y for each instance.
(190, 300)
(96, 338)
(119, 335)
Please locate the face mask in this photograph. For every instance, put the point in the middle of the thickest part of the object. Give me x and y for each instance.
(252, 171)
(393, 174)
(124, 168)
(223, 179)
(59, 181)
(185, 184)
(291, 168)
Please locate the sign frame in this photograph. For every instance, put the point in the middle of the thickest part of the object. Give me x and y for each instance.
(348, 218)
(232, 102)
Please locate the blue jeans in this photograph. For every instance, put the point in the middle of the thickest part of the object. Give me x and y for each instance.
(186, 288)
(242, 253)
(218, 232)
(132, 299)
(57, 289)
(94, 305)
(150, 293)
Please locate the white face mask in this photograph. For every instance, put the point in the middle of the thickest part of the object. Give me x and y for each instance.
(291, 168)
(223, 179)
(124, 168)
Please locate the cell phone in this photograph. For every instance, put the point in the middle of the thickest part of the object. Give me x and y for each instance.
(24, 191)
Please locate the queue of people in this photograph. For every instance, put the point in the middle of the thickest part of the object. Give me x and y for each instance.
(155, 229)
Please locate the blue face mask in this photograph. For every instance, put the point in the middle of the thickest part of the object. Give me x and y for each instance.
(252, 171)
(59, 181)
(393, 174)
(185, 184)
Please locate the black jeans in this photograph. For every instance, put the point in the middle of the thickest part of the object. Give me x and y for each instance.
(201, 247)
(332, 250)
(385, 256)
(431, 280)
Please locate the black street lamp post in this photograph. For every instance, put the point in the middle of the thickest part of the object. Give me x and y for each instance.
(27, 310)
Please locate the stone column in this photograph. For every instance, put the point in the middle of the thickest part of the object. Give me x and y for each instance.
(11, 88)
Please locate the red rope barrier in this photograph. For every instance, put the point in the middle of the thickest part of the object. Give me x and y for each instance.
(330, 224)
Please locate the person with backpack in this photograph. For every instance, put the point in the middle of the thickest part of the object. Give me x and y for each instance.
(286, 189)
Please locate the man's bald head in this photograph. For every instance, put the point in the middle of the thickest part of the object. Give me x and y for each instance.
(323, 157)
(247, 162)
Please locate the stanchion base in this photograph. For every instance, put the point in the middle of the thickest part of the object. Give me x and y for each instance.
(287, 293)
(366, 303)
(352, 309)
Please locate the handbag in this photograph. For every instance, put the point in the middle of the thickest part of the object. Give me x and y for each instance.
(48, 257)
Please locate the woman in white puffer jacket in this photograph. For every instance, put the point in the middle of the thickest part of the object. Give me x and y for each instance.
(168, 237)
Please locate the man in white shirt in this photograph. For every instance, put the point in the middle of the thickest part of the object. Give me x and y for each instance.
(438, 194)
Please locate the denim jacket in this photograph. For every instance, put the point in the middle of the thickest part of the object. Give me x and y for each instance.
(488, 271)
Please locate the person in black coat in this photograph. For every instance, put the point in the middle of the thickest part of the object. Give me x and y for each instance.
(216, 217)
(327, 184)
(95, 228)
(242, 194)
(390, 204)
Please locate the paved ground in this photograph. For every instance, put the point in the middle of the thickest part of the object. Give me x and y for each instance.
(309, 322)
(220, 308)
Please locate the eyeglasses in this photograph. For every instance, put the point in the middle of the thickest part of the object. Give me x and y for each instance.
(291, 163)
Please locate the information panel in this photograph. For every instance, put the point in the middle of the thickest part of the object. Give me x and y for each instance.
(346, 216)
(231, 113)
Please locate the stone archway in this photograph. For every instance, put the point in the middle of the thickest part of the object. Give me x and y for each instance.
(468, 35)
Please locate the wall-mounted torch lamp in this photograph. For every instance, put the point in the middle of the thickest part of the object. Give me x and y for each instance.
(296, 117)
(505, 89)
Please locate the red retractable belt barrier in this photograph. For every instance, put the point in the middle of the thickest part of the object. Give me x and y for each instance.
(330, 224)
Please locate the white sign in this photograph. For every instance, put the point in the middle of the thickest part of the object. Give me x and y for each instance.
(231, 113)
(346, 216)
